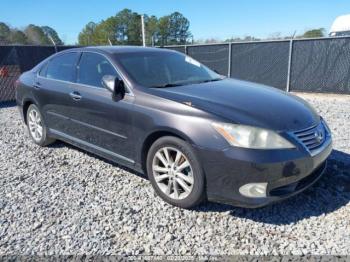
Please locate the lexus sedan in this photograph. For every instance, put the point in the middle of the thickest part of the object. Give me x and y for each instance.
(196, 134)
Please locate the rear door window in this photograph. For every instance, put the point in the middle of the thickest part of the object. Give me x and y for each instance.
(63, 67)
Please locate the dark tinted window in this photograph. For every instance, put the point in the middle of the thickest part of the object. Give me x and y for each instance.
(92, 68)
(63, 67)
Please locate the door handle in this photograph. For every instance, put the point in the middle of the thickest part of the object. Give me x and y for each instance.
(75, 96)
(37, 85)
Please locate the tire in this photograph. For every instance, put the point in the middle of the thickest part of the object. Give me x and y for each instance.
(192, 175)
(34, 122)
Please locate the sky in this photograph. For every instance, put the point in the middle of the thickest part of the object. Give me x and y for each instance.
(219, 19)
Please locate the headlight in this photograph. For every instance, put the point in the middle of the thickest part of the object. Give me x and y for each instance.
(251, 137)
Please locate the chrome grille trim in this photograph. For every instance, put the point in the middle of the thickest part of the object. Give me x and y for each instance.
(313, 137)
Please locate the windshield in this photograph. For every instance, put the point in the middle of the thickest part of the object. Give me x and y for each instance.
(165, 69)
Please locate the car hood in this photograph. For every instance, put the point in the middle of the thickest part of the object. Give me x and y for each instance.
(245, 103)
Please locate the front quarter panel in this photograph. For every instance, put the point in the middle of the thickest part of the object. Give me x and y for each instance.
(153, 114)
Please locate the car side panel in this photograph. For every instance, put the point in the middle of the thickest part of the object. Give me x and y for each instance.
(53, 96)
(104, 121)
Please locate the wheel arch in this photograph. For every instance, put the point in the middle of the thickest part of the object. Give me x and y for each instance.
(154, 136)
(26, 103)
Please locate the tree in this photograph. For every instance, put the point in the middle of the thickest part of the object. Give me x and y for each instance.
(275, 36)
(250, 38)
(211, 40)
(50, 32)
(247, 38)
(124, 28)
(152, 30)
(86, 35)
(233, 39)
(128, 27)
(4, 32)
(164, 30)
(36, 35)
(17, 37)
(174, 29)
(320, 32)
(103, 32)
(179, 28)
(32, 35)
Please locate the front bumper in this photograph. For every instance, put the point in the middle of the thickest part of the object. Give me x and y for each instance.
(286, 172)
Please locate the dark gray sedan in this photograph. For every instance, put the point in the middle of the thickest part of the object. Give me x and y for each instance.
(197, 134)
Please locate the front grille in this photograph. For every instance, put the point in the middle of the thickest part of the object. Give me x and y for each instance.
(313, 137)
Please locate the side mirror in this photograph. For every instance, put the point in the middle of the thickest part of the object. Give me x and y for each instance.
(114, 85)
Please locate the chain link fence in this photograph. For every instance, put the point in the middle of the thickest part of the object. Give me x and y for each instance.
(215, 57)
(265, 63)
(305, 65)
(15, 60)
(319, 65)
(181, 49)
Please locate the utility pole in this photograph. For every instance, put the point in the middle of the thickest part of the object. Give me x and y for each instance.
(143, 31)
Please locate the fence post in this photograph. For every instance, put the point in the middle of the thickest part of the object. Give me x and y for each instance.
(186, 50)
(229, 59)
(289, 64)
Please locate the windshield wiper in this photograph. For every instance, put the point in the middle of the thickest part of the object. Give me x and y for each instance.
(167, 85)
(209, 80)
(197, 82)
(213, 80)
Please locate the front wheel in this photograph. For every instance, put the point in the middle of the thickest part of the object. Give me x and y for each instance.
(36, 127)
(175, 173)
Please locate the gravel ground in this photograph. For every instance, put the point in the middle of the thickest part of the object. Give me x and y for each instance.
(61, 200)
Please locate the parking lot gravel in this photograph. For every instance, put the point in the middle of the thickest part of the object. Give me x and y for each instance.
(62, 200)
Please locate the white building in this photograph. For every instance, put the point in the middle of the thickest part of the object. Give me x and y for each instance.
(341, 26)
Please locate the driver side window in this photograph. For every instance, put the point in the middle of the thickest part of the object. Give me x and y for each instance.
(92, 67)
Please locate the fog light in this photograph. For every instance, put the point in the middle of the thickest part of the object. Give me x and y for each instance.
(253, 190)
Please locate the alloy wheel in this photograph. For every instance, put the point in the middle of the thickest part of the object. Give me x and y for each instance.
(173, 173)
(35, 125)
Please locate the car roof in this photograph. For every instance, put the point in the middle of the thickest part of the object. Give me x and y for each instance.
(120, 49)
(108, 50)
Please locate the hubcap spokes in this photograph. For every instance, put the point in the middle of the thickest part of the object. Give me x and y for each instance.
(173, 172)
(35, 125)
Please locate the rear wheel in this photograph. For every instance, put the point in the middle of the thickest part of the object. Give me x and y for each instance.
(175, 172)
(36, 127)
